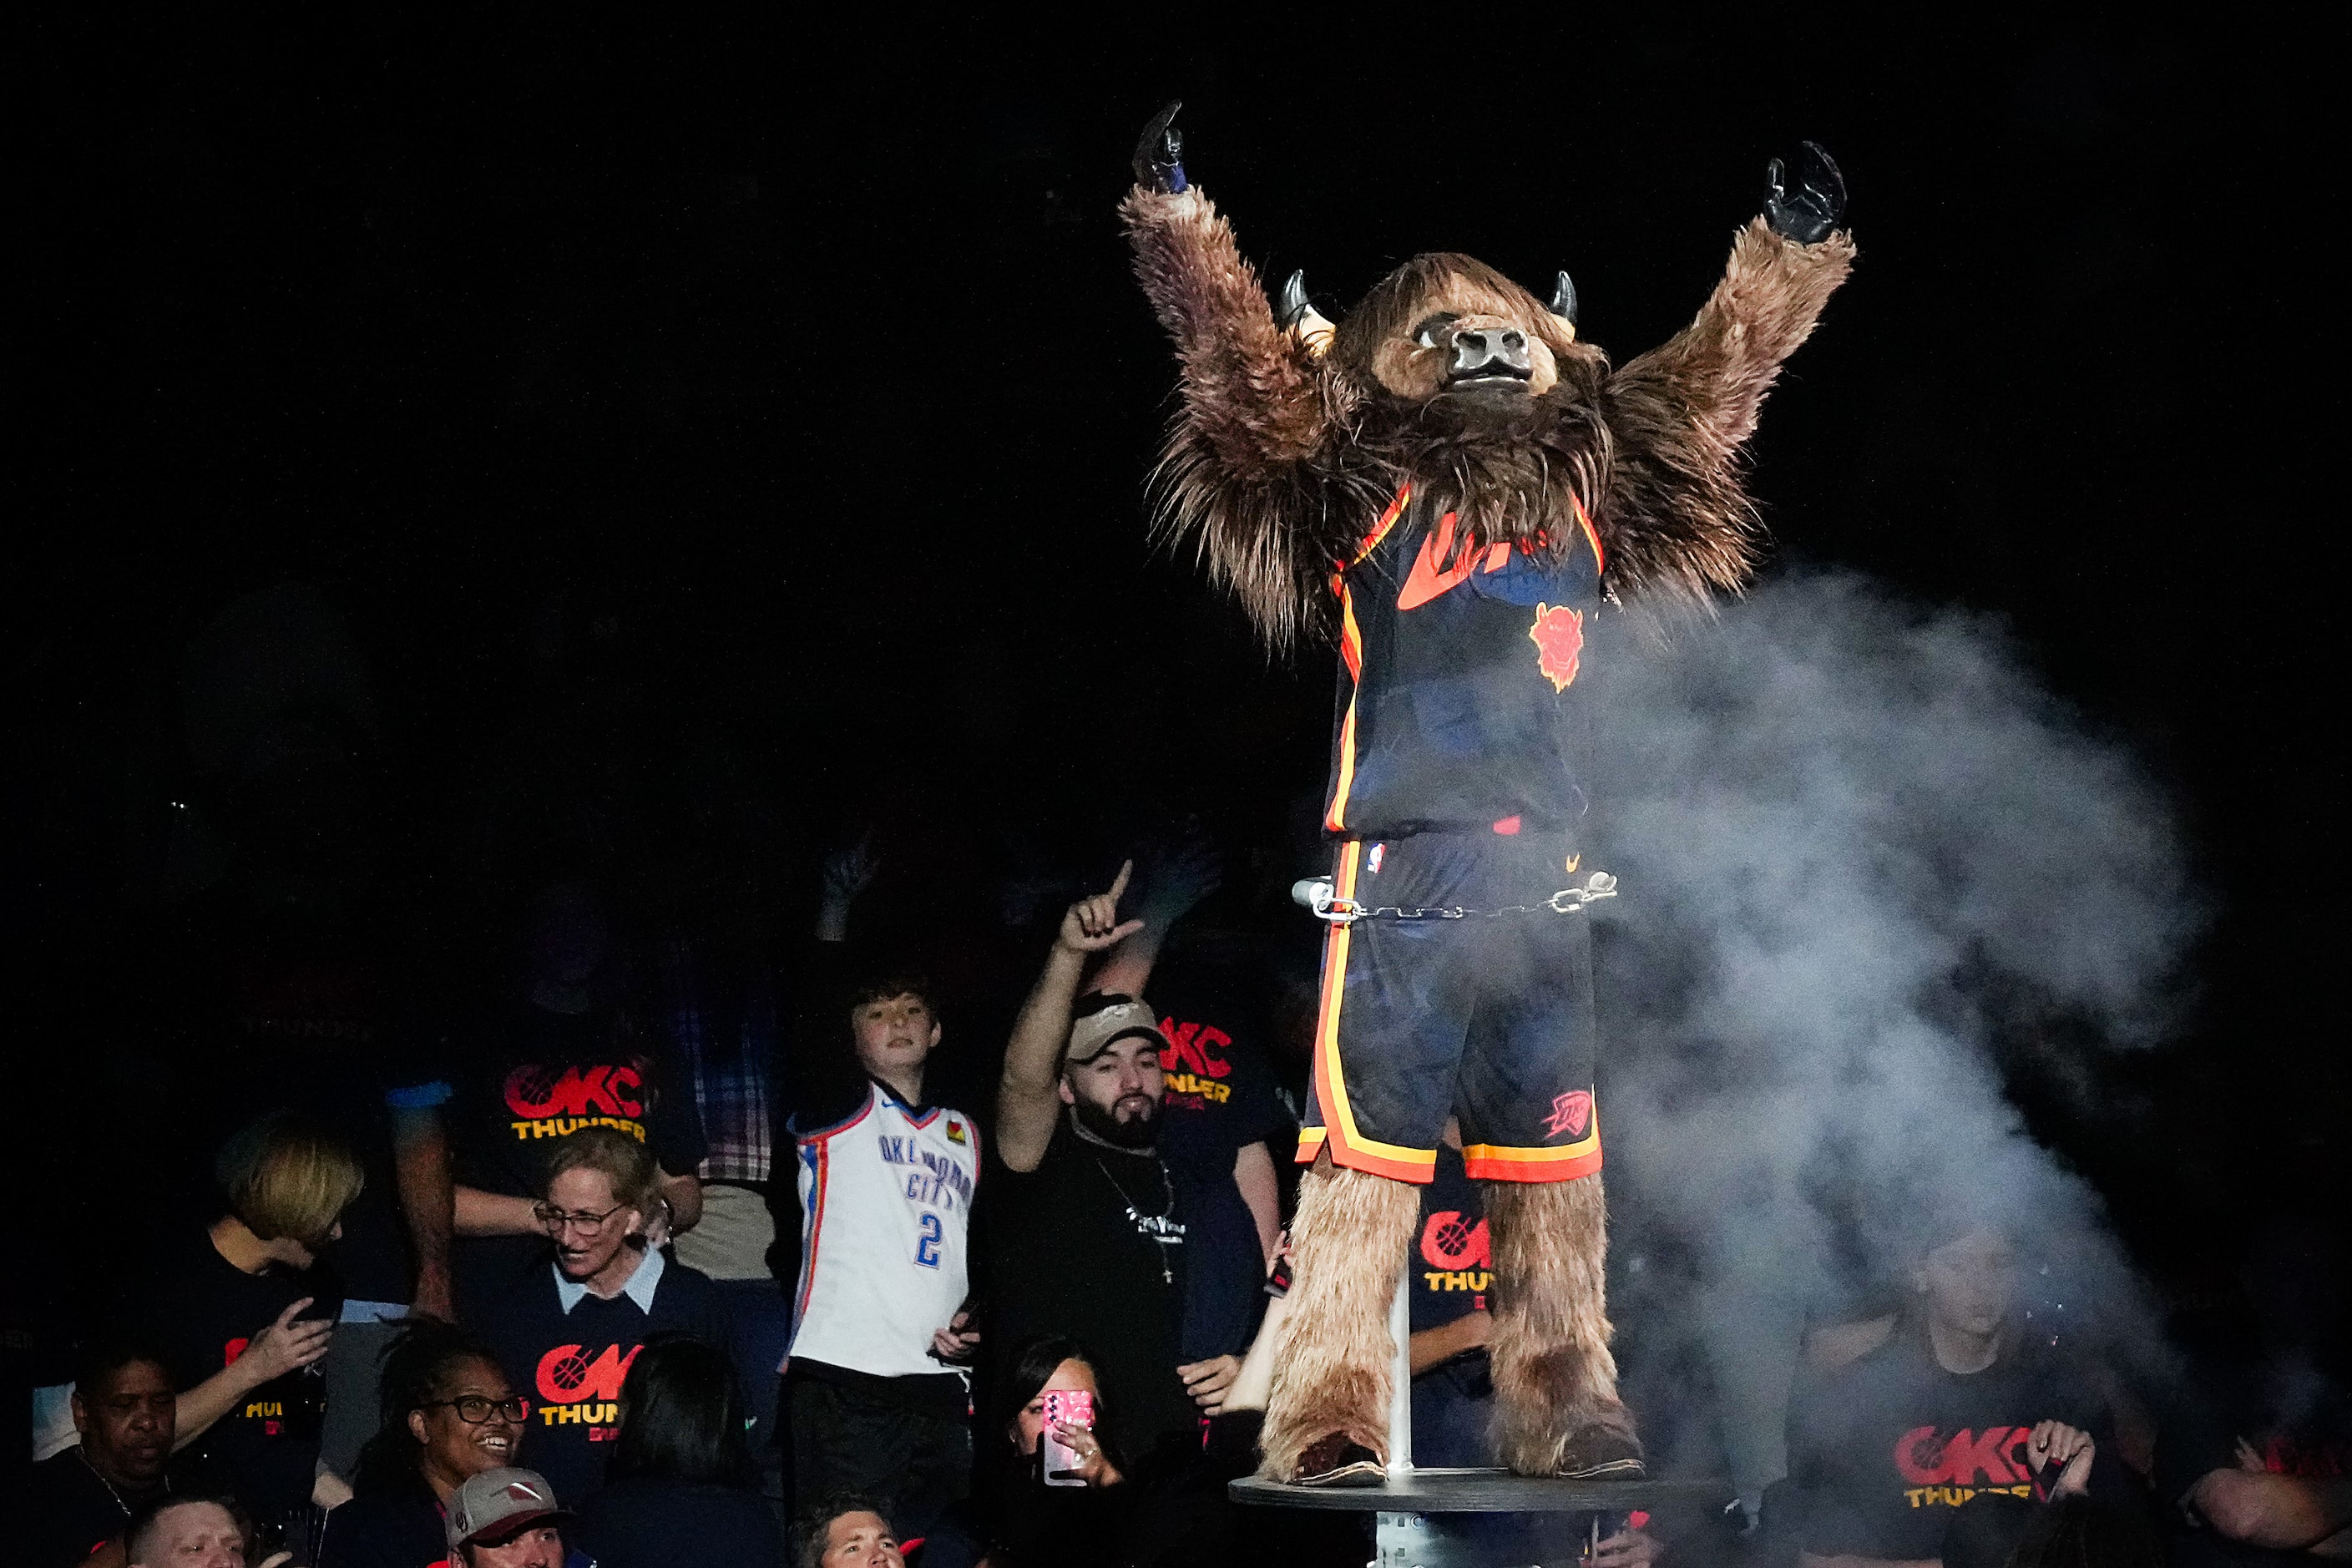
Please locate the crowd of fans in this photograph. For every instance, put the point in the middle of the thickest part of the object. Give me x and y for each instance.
(679, 1251)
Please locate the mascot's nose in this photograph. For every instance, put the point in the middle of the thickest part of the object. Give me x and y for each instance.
(1488, 351)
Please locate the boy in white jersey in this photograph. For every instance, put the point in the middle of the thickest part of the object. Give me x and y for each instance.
(886, 1187)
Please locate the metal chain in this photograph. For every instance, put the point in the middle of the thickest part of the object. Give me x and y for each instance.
(1319, 894)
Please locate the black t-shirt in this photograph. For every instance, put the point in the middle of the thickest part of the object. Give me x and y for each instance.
(393, 1530)
(201, 1311)
(1220, 1092)
(2200, 1432)
(1065, 1258)
(667, 1524)
(570, 1364)
(535, 1075)
(1882, 1449)
(1453, 1273)
(65, 1510)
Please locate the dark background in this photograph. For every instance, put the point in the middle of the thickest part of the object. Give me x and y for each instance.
(725, 439)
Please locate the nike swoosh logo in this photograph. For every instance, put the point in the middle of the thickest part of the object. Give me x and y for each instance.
(1426, 581)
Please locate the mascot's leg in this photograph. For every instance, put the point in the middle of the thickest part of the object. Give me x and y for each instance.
(1326, 1419)
(1556, 1406)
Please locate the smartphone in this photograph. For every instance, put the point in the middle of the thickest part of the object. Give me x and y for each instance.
(1073, 1407)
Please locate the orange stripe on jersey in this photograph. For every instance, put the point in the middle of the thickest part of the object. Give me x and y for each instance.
(1372, 540)
(1334, 820)
(1351, 635)
(1599, 559)
(1351, 654)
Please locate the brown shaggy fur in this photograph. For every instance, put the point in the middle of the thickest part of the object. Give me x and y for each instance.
(1277, 460)
(1552, 1370)
(1350, 1239)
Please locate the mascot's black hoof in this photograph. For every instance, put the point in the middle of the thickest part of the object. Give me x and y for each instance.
(1601, 1454)
(1337, 1462)
(1159, 154)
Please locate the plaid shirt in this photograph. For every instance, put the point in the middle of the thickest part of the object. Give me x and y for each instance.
(730, 1076)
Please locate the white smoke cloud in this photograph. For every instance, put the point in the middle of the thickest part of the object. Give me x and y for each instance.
(1856, 838)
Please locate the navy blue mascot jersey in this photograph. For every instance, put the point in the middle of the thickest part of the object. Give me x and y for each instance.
(1456, 712)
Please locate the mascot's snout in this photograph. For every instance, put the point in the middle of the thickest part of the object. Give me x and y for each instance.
(1487, 356)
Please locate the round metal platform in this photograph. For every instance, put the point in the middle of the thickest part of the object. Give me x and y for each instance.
(1488, 1491)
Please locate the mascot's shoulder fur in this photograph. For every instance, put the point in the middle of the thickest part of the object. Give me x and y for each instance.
(1289, 442)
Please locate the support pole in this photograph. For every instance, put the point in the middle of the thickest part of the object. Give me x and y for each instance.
(1401, 1373)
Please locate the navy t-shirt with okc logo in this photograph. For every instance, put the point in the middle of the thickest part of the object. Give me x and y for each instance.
(1882, 1450)
(570, 1365)
(1453, 1275)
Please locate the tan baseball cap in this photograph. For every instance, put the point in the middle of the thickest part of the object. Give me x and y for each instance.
(1112, 1019)
(498, 1503)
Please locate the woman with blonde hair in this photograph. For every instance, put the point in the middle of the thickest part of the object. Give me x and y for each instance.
(241, 1310)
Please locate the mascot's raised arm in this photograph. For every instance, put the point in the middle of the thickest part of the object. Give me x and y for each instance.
(1446, 484)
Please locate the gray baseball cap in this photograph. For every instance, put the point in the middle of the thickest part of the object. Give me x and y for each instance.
(500, 1503)
(1114, 1018)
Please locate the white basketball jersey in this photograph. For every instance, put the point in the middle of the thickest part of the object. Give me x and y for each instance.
(886, 1206)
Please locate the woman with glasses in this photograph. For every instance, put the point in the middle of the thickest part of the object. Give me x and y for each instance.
(568, 1326)
(449, 1414)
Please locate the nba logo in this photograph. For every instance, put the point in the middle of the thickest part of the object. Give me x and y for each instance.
(1379, 853)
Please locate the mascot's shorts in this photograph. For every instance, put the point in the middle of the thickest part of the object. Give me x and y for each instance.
(1489, 1018)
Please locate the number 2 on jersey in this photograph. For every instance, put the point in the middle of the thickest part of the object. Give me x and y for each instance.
(927, 1245)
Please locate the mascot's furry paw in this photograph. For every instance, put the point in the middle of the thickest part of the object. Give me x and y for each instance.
(1331, 1383)
(1556, 1407)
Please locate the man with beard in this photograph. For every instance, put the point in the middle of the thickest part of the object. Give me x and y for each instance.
(1154, 1267)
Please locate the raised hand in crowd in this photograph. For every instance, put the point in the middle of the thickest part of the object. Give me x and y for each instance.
(1179, 868)
(1092, 923)
(848, 871)
(1027, 1101)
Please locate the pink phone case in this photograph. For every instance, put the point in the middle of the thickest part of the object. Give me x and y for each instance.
(1073, 1407)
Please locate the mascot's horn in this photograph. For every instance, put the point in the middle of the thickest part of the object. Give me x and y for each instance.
(1305, 325)
(1563, 303)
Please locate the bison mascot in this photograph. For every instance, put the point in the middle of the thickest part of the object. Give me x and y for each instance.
(1449, 484)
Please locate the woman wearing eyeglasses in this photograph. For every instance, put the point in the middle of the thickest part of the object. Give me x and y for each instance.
(568, 1327)
(449, 1414)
